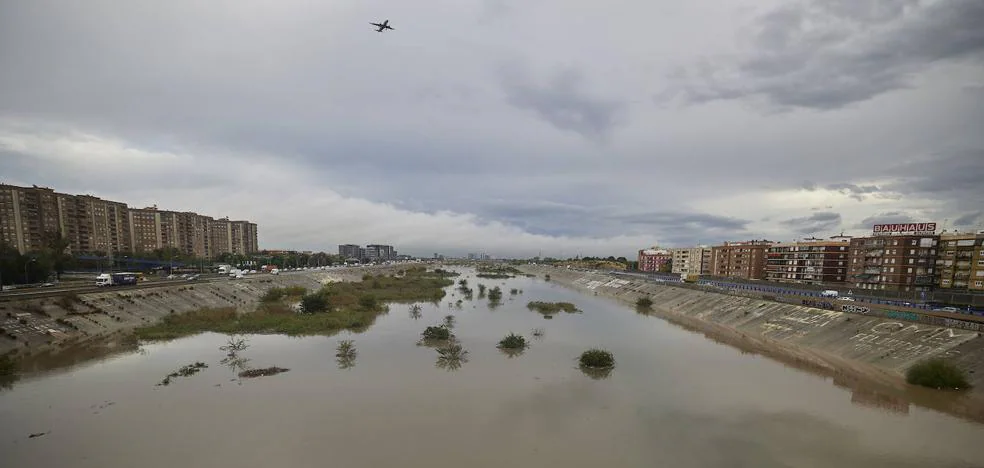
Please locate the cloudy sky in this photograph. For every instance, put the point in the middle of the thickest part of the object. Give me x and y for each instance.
(504, 126)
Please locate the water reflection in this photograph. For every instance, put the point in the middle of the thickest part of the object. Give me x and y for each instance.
(345, 354)
(234, 360)
(512, 352)
(597, 373)
(415, 311)
(451, 356)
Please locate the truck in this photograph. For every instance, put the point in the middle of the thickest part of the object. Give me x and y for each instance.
(116, 279)
(691, 278)
(224, 269)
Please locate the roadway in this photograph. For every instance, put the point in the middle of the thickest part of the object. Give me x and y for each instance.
(792, 291)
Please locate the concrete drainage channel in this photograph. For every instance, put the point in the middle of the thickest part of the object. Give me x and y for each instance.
(36, 325)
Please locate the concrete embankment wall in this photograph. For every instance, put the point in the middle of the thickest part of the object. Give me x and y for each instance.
(832, 339)
(35, 325)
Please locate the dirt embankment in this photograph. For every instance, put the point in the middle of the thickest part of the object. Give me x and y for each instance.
(46, 332)
(873, 350)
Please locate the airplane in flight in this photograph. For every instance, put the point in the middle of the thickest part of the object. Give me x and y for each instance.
(382, 26)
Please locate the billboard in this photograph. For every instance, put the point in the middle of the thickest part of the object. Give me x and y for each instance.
(905, 228)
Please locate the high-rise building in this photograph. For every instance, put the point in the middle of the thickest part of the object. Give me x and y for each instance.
(959, 264)
(809, 262)
(654, 259)
(92, 225)
(691, 260)
(744, 259)
(898, 257)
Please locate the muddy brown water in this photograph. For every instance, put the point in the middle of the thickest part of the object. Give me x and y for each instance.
(676, 399)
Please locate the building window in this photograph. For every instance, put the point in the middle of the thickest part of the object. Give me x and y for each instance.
(912, 260)
(979, 284)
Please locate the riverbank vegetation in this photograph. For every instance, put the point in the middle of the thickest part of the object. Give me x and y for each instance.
(336, 306)
(937, 373)
(550, 308)
(644, 302)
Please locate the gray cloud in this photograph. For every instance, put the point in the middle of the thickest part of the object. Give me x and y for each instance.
(890, 217)
(970, 220)
(826, 55)
(815, 223)
(854, 191)
(562, 101)
(425, 138)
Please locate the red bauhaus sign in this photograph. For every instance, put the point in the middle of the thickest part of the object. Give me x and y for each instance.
(907, 228)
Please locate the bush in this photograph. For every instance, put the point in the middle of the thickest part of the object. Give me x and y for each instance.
(512, 341)
(276, 294)
(436, 333)
(313, 303)
(937, 373)
(495, 294)
(597, 359)
(8, 366)
(644, 302)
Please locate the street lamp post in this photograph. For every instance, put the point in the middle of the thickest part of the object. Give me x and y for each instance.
(25, 269)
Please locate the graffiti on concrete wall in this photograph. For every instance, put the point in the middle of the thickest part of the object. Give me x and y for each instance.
(855, 309)
(810, 317)
(894, 314)
(818, 304)
(951, 323)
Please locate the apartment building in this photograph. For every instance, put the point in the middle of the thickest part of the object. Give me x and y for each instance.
(809, 262)
(103, 226)
(745, 259)
(895, 259)
(654, 259)
(959, 265)
(691, 260)
(93, 225)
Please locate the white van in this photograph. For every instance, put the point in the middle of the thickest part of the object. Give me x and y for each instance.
(829, 293)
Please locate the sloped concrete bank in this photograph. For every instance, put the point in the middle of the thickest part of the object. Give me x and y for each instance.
(69, 329)
(876, 350)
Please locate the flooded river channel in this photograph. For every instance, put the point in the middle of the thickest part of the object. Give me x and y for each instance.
(675, 399)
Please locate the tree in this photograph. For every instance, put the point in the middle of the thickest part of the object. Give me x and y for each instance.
(666, 267)
(54, 251)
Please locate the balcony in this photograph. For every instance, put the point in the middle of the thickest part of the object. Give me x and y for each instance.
(874, 253)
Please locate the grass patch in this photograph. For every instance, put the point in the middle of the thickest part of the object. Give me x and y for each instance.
(68, 301)
(189, 370)
(644, 302)
(937, 373)
(276, 294)
(438, 333)
(597, 359)
(252, 373)
(512, 341)
(494, 276)
(347, 306)
(549, 308)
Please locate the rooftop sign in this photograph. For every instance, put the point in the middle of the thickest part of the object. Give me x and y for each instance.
(907, 228)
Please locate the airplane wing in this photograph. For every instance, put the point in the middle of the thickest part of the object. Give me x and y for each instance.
(376, 25)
